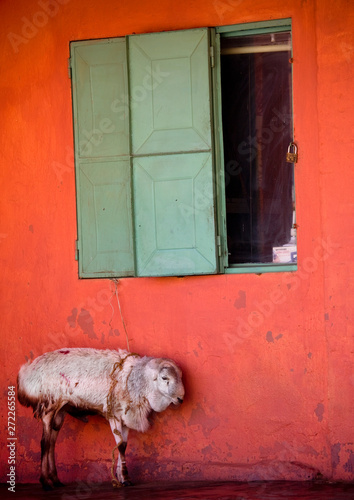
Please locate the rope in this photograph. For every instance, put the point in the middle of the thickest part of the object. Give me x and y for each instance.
(116, 281)
(118, 365)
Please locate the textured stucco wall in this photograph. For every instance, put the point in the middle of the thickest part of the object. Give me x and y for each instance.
(267, 359)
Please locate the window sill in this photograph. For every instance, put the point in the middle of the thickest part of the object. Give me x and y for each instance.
(260, 268)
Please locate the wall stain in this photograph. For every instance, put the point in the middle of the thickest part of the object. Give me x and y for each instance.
(113, 333)
(240, 302)
(29, 358)
(284, 451)
(72, 319)
(335, 450)
(85, 321)
(199, 417)
(207, 450)
(269, 336)
(70, 430)
(349, 464)
(151, 450)
(319, 411)
(28, 437)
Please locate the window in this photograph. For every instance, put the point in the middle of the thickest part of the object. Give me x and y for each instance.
(257, 129)
(180, 142)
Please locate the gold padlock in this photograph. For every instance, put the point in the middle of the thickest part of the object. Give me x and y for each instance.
(291, 157)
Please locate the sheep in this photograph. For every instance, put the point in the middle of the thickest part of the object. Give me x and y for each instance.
(120, 386)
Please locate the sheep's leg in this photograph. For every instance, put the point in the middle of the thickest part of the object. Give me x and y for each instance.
(45, 447)
(120, 433)
(121, 458)
(57, 423)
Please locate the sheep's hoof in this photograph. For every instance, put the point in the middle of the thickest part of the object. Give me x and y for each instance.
(46, 486)
(127, 483)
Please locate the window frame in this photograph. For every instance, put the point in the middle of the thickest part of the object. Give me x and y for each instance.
(215, 34)
(241, 30)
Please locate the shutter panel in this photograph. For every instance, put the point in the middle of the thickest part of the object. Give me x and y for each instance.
(170, 92)
(171, 141)
(103, 178)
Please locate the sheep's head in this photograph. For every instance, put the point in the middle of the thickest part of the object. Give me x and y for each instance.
(167, 386)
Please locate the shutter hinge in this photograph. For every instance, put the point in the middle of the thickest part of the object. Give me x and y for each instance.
(218, 243)
(69, 68)
(76, 249)
(212, 56)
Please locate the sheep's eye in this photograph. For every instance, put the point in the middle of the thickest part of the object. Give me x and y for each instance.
(164, 378)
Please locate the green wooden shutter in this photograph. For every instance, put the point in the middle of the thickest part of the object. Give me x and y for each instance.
(171, 148)
(103, 177)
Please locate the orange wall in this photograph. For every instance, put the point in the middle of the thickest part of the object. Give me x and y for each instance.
(267, 359)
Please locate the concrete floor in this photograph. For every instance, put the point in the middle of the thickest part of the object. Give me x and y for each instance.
(274, 490)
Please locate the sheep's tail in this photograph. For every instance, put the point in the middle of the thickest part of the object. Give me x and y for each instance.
(23, 394)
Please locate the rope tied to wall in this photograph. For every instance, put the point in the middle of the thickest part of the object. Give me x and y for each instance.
(115, 282)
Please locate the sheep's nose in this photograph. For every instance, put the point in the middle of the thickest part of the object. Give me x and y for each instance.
(180, 400)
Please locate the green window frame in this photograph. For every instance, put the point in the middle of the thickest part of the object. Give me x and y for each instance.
(274, 40)
(150, 179)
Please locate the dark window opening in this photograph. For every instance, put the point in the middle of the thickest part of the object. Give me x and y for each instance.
(257, 129)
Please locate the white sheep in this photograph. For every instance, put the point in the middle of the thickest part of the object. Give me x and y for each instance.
(118, 385)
